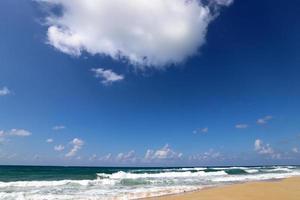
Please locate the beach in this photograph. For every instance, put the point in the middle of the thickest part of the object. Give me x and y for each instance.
(285, 189)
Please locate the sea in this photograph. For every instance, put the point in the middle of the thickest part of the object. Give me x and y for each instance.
(111, 183)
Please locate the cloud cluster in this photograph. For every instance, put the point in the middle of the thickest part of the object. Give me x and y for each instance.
(13, 133)
(127, 157)
(262, 148)
(145, 33)
(208, 155)
(77, 145)
(165, 153)
(16, 132)
(265, 149)
(106, 158)
(4, 91)
(107, 76)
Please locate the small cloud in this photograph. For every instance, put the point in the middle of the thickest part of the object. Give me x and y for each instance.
(93, 157)
(4, 91)
(58, 128)
(59, 148)
(295, 150)
(2, 133)
(18, 132)
(264, 120)
(201, 130)
(107, 157)
(77, 145)
(211, 154)
(49, 140)
(127, 157)
(241, 126)
(107, 76)
(222, 2)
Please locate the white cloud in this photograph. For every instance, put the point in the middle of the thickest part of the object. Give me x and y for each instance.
(4, 91)
(208, 155)
(107, 76)
(13, 133)
(295, 150)
(204, 130)
(223, 2)
(59, 148)
(127, 157)
(77, 145)
(18, 132)
(201, 130)
(262, 148)
(265, 149)
(164, 153)
(107, 157)
(58, 128)
(93, 157)
(152, 33)
(241, 126)
(2, 133)
(264, 120)
(49, 140)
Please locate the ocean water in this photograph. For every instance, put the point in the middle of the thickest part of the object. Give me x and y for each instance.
(95, 183)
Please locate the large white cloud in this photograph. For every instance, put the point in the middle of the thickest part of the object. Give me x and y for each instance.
(153, 33)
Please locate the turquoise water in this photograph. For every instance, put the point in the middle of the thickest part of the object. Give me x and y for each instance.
(97, 183)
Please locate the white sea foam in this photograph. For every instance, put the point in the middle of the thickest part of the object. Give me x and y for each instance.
(125, 175)
(251, 171)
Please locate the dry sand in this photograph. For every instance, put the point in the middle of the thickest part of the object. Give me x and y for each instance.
(287, 189)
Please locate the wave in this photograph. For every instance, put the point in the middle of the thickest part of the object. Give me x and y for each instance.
(125, 175)
(140, 183)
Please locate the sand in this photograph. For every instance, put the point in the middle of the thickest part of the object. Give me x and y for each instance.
(287, 189)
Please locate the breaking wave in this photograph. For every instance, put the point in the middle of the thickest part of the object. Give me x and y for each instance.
(140, 183)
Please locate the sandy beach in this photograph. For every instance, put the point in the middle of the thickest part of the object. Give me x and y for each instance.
(286, 189)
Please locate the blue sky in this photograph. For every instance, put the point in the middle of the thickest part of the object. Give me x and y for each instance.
(219, 90)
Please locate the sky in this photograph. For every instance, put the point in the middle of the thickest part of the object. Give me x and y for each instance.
(149, 83)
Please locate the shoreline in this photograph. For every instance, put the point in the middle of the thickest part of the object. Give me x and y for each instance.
(279, 189)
